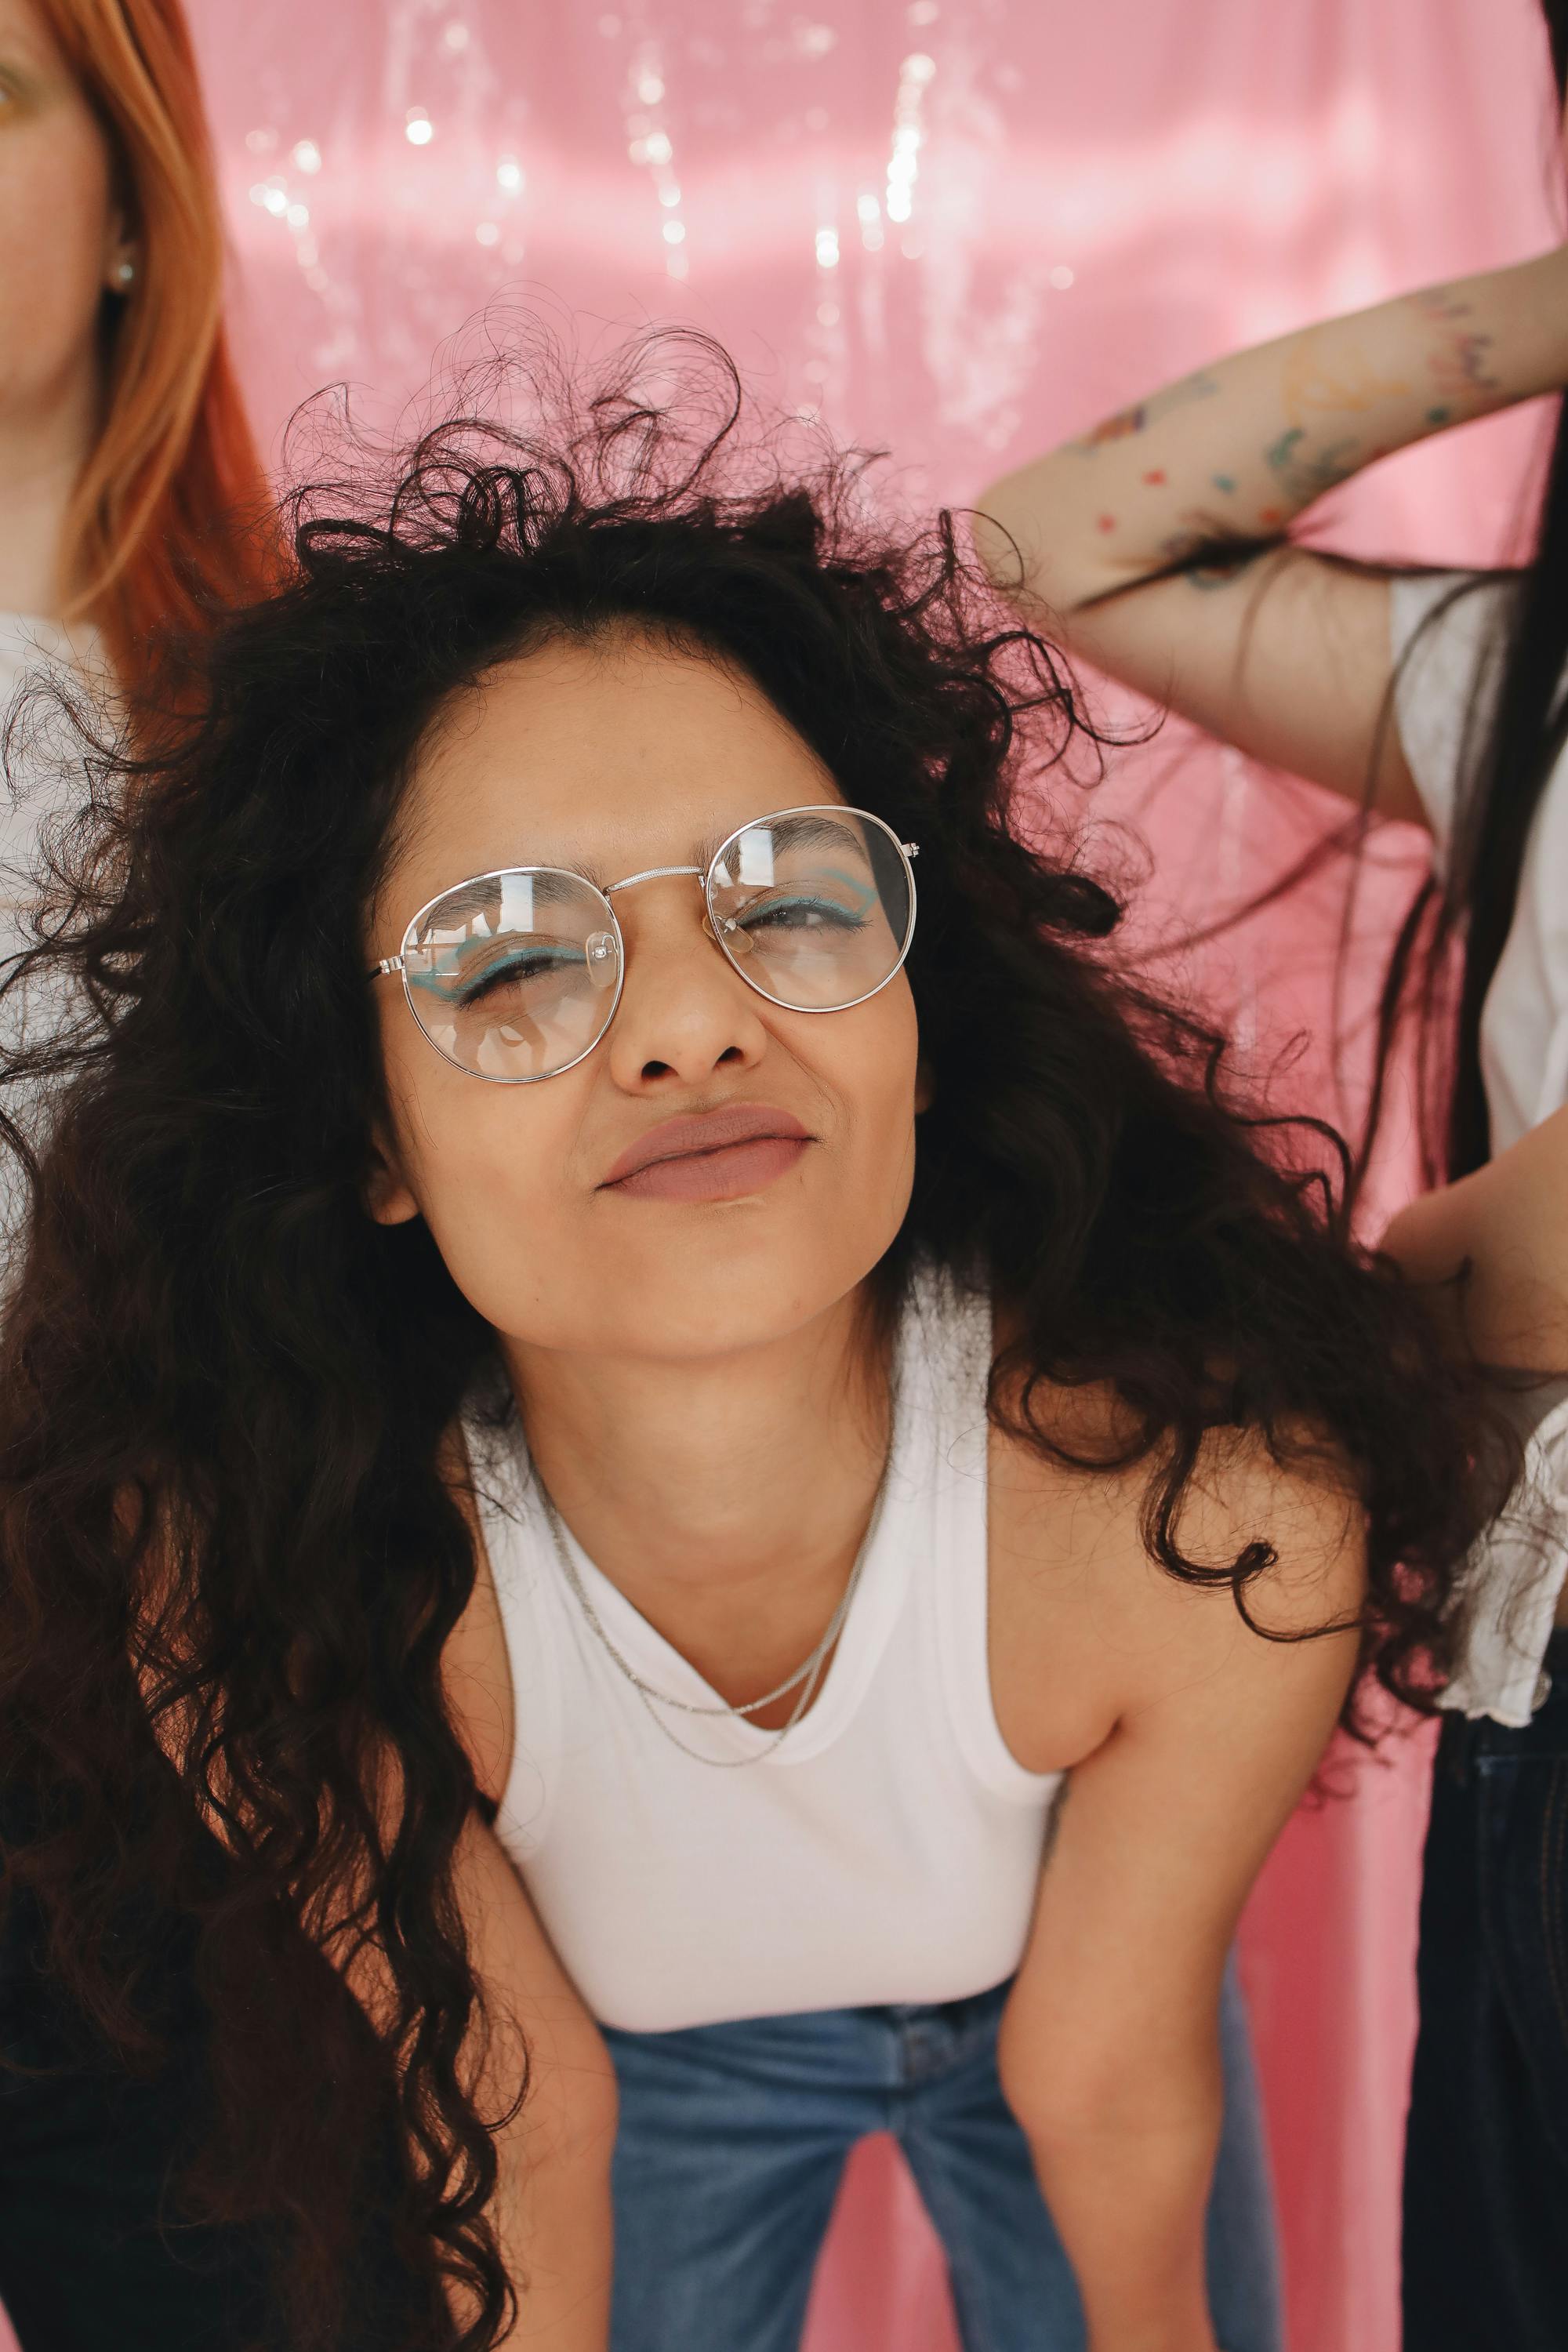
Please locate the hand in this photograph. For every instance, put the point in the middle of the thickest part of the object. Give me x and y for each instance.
(1509, 1221)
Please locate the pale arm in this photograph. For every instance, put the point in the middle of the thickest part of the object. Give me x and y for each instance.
(1285, 653)
(1510, 1221)
(1109, 2051)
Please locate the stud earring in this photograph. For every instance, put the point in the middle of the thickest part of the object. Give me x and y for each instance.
(125, 274)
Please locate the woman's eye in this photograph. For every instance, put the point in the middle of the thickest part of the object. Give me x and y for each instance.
(521, 971)
(800, 914)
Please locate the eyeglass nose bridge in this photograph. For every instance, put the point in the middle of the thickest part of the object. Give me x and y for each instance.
(735, 941)
(655, 874)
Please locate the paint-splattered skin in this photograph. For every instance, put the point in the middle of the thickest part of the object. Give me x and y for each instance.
(1245, 445)
(1127, 422)
(1197, 487)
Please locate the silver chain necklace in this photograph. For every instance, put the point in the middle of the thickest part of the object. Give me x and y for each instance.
(807, 1674)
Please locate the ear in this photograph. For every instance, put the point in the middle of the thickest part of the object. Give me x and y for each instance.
(925, 1086)
(121, 256)
(386, 1194)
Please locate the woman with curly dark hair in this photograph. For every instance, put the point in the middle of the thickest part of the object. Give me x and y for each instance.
(595, 1417)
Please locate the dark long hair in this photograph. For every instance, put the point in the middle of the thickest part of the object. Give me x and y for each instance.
(1452, 931)
(230, 1551)
(1514, 744)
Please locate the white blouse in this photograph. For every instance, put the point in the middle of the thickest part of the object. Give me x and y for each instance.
(33, 790)
(31, 650)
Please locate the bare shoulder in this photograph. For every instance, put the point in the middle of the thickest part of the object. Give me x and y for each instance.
(1087, 1627)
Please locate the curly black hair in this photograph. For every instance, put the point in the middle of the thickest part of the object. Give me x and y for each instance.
(230, 1551)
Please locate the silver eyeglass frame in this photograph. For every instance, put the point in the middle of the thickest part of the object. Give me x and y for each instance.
(395, 966)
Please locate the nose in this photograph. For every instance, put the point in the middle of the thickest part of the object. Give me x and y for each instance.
(684, 1011)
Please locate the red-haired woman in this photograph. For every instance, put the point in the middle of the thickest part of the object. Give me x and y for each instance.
(129, 480)
(128, 475)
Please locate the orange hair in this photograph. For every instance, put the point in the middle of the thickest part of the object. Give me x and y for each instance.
(172, 510)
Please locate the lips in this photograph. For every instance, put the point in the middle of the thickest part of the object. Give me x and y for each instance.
(717, 1155)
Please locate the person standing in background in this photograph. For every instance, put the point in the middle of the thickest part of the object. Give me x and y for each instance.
(1160, 546)
(130, 489)
(132, 495)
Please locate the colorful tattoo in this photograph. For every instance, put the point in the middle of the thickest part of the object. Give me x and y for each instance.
(1457, 361)
(1137, 419)
(1337, 383)
(1107, 522)
(1324, 384)
(1223, 482)
(1304, 474)
(1114, 428)
(1156, 477)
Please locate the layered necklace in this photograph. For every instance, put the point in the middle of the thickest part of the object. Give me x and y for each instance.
(806, 1675)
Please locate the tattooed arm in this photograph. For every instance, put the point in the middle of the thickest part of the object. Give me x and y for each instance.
(1157, 545)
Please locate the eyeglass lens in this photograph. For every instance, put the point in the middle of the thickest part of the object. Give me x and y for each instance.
(813, 907)
(514, 975)
(517, 976)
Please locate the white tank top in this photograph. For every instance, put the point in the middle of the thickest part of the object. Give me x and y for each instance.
(888, 1849)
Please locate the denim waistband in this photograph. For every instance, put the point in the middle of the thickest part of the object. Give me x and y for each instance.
(1463, 1741)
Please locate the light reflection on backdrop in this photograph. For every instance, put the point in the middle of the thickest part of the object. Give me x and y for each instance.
(958, 229)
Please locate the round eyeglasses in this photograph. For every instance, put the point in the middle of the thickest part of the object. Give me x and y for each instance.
(515, 976)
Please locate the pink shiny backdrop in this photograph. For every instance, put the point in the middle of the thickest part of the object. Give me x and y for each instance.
(1100, 197)
(961, 229)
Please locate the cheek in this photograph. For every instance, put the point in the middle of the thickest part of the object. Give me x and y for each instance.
(54, 199)
(873, 1071)
(487, 1166)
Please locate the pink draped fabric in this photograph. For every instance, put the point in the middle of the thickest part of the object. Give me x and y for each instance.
(960, 229)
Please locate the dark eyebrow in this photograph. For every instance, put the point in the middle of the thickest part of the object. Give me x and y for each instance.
(814, 824)
(807, 826)
(470, 896)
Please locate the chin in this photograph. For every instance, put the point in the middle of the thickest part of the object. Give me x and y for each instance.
(683, 1303)
(721, 1309)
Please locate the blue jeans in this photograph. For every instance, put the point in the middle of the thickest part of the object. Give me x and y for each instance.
(1485, 2160)
(734, 2137)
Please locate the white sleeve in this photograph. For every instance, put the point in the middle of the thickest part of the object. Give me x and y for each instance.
(1447, 637)
(1515, 1572)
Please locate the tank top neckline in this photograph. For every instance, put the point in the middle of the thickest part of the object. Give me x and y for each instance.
(884, 1582)
(921, 1391)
